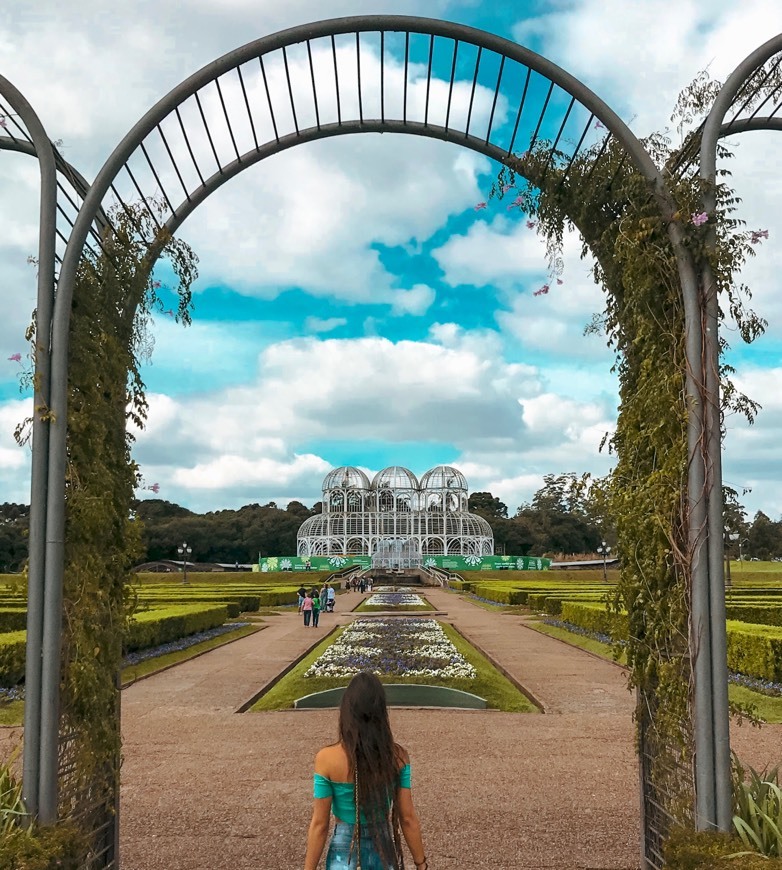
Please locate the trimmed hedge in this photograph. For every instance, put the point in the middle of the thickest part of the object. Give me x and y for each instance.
(769, 614)
(755, 650)
(12, 647)
(162, 626)
(13, 619)
(595, 617)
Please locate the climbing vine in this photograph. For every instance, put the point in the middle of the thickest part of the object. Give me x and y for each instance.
(620, 221)
(114, 301)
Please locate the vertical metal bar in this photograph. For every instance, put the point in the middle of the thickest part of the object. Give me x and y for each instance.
(358, 77)
(472, 92)
(336, 79)
(143, 198)
(542, 115)
(575, 152)
(451, 82)
(521, 109)
(157, 179)
(208, 132)
(290, 88)
(268, 98)
(407, 64)
(247, 105)
(227, 120)
(382, 75)
(173, 162)
(36, 604)
(187, 143)
(314, 89)
(496, 95)
(428, 79)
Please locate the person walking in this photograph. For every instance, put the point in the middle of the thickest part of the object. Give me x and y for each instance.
(315, 607)
(324, 598)
(332, 597)
(364, 780)
(306, 608)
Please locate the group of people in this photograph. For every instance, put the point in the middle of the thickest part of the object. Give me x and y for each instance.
(360, 584)
(313, 601)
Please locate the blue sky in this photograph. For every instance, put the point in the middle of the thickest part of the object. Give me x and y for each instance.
(353, 306)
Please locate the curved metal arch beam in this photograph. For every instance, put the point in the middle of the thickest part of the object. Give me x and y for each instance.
(42, 686)
(77, 181)
(712, 712)
(93, 202)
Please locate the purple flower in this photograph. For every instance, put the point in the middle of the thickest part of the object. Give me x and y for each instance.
(517, 203)
(756, 235)
(699, 218)
(169, 312)
(15, 357)
(599, 125)
(560, 281)
(479, 206)
(531, 225)
(542, 291)
(155, 488)
(156, 285)
(3, 121)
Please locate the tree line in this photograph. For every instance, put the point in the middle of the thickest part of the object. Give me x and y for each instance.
(565, 516)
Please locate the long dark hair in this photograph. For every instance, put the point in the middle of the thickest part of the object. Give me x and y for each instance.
(375, 761)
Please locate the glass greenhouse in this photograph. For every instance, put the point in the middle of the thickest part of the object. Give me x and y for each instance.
(395, 518)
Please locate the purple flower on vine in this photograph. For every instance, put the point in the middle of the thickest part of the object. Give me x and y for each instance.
(542, 291)
(169, 313)
(560, 282)
(504, 188)
(154, 488)
(599, 125)
(699, 218)
(15, 357)
(517, 203)
(531, 225)
(480, 206)
(3, 121)
(756, 235)
(156, 285)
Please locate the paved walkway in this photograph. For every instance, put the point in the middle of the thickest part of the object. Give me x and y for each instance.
(205, 788)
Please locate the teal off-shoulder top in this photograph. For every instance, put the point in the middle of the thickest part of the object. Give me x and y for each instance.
(343, 794)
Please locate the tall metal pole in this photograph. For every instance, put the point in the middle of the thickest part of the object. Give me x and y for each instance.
(39, 475)
(713, 434)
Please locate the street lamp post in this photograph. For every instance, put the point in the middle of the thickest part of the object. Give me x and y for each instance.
(604, 550)
(184, 551)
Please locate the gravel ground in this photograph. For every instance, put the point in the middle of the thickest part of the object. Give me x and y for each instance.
(205, 788)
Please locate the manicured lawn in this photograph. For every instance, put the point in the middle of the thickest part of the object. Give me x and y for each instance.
(488, 683)
(12, 713)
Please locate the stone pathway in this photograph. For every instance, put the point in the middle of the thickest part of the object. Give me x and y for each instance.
(205, 788)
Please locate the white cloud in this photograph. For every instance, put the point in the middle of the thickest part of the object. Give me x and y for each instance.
(327, 324)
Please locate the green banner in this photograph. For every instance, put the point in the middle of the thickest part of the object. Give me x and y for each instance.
(449, 563)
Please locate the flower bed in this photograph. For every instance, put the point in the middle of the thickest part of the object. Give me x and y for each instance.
(390, 600)
(404, 647)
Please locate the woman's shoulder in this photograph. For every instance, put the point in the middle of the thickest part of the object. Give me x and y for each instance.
(402, 755)
(331, 762)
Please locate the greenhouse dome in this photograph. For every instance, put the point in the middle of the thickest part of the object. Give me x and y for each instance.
(395, 519)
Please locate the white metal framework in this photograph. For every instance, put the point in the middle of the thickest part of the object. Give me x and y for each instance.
(396, 519)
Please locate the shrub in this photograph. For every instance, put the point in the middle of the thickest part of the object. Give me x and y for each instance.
(156, 627)
(755, 650)
(13, 619)
(12, 647)
(757, 799)
(707, 850)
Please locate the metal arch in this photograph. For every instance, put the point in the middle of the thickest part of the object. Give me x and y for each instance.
(41, 690)
(134, 143)
(713, 625)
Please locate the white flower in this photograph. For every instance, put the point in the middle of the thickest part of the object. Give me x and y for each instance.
(285, 564)
(338, 561)
(472, 559)
(430, 563)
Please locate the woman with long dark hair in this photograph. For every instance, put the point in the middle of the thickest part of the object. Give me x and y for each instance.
(365, 774)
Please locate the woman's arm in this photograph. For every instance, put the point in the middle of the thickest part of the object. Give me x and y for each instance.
(317, 833)
(411, 826)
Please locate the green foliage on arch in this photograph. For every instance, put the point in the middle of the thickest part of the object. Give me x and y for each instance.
(628, 225)
(114, 301)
